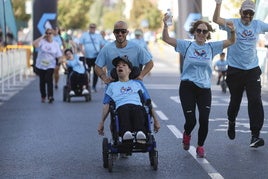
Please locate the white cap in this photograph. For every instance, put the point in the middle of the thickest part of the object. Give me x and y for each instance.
(248, 5)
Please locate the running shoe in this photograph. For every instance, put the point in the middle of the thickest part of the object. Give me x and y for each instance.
(50, 100)
(256, 142)
(43, 100)
(71, 93)
(140, 135)
(128, 136)
(200, 152)
(186, 141)
(85, 91)
(231, 130)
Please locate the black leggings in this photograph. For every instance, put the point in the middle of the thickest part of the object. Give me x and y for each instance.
(77, 79)
(131, 118)
(190, 96)
(46, 82)
(249, 80)
(91, 64)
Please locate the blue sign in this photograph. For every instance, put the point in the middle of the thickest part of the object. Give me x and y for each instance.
(190, 19)
(43, 23)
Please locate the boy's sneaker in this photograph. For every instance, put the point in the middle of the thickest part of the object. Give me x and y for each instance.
(186, 141)
(200, 152)
(231, 130)
(256, 142)
(128, 136)
(85, 91)
(140, 135)
(71, 93)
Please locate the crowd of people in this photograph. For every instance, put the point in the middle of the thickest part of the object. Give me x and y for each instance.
(195, 80)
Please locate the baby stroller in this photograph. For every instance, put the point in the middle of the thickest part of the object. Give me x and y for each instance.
(78, 89)
(110, 150)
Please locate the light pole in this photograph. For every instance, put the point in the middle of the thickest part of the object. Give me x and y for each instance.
(4, 16)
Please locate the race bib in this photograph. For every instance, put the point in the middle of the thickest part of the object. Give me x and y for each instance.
(45, 62)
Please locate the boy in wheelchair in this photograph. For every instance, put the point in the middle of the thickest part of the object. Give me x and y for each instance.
(128, 104)
(76, 73)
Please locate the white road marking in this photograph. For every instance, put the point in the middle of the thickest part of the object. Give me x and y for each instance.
(161, 115)
(220, 101)
(212, 172)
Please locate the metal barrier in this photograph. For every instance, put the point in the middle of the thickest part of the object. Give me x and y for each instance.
(13, 68)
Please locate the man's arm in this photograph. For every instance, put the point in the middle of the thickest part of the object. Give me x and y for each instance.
(216, 16)
(147, 68)
(102, 74)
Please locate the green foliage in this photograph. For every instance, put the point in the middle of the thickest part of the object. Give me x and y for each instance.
(19, 10)
(112, 14)
(74, 14)
(145, 10)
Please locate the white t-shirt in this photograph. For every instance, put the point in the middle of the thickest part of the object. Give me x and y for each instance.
(47, 54)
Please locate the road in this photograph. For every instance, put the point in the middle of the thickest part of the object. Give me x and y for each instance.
(60, 140)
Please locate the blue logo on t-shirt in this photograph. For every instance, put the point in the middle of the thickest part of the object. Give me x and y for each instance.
(247, 33)
(200, 53)
(125, 90)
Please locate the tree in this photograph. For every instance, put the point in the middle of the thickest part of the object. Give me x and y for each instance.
(111, 14)
(19, 10)
(19, 13)
(145, 11)
(75, 15)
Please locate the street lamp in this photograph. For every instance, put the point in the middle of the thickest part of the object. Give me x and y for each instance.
(4, 18)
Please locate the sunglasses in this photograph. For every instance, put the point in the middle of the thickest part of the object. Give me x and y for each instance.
(92, 27)
(248, 12)
(117, 31)
(48, 33)
(202, 30)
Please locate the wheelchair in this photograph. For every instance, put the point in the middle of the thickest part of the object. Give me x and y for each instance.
(79, 87)
(110, 150)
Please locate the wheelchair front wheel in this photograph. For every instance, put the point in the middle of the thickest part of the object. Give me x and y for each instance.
(110, 162)
(105, 151)
(153, 155)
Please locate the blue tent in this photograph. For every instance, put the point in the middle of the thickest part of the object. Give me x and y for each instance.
(7, 19)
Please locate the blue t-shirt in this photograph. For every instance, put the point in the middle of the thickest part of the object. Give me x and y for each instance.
(141, 42)
(197, 65)
(76, 65)
(124, 92)
(89, 40)
(221, 65)
(243, 53)
(136, 54)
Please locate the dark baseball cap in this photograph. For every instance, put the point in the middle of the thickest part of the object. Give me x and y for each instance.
(123, 59)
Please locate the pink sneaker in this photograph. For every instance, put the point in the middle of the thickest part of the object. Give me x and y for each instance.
(200, 152)
(43, 100)
(186, 141)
